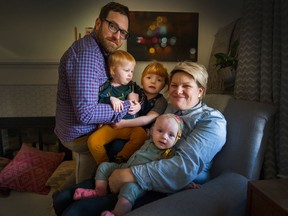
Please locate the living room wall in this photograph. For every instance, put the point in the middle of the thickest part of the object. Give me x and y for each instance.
(35, 34)
(40, 31)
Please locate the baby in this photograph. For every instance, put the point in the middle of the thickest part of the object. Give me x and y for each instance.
(164, 135)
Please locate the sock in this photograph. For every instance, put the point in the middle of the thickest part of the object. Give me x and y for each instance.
(83, 193)
(107, 213)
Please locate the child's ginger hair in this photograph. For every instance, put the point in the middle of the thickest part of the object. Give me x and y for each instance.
(155, 68)
(119, 56)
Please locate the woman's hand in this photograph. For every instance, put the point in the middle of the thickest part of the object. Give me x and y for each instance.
(120, 177)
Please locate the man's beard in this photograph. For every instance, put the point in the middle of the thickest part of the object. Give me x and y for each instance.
(106, 43)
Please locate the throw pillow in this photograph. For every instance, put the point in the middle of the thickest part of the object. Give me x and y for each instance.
(61, 174)
(30, 169)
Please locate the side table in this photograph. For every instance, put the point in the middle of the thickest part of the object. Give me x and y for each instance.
(267, 198)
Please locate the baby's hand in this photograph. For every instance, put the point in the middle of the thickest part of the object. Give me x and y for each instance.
(116, 103)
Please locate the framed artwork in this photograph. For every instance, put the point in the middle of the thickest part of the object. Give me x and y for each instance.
(163, 36)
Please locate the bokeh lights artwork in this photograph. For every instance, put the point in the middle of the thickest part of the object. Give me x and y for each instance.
(163, 36)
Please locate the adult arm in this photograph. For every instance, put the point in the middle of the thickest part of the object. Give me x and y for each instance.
(158, 109)
(137, 122)
(85, 78)
(195, 149)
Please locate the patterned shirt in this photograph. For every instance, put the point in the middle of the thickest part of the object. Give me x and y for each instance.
(81, 72)
(121, 92)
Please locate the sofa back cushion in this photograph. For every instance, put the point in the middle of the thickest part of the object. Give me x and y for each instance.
(248, 127)
(217, 101)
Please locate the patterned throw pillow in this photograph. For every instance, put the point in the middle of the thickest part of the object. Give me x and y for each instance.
(30, 169)
(61, 174)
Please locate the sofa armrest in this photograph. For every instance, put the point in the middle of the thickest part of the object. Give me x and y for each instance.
(248, 130)
(225, 195)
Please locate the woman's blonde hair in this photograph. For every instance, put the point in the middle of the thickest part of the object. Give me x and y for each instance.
(157, 69)
(196, 70)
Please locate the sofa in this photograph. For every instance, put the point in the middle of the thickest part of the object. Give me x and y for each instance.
(239, 161)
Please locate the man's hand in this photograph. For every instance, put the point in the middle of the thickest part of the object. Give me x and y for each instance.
(116, 103)
(119, 177)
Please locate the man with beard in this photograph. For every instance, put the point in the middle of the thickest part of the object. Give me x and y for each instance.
(82, 70)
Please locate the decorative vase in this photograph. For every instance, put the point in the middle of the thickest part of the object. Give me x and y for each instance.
(227, 76)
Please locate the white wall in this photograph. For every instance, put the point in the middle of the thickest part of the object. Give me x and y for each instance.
(40, 31)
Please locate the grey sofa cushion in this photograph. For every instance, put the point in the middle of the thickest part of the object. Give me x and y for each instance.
(217, 101)
(222, 196)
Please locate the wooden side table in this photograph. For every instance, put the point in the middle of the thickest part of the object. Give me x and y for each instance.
(268, 198)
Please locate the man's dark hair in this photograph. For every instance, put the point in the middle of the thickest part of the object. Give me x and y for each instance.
(116, 7)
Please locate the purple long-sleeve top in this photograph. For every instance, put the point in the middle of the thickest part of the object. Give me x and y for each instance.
(82, 71)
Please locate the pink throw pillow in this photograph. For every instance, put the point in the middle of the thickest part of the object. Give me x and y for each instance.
(30, 169)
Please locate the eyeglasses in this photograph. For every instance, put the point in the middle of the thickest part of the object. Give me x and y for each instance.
(114, 28)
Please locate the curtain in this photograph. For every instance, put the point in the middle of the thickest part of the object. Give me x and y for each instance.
(262, 73)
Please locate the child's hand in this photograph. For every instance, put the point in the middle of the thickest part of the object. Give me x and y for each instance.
(133, 96)
(116, 103)
(134, 108)
(119, 125)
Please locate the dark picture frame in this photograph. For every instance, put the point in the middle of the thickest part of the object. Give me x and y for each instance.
(163, 36)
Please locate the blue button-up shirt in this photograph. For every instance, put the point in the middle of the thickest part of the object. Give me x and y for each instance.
(204, 135)
(82, 71)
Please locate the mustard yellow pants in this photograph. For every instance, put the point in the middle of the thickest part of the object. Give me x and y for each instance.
(136, 137)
